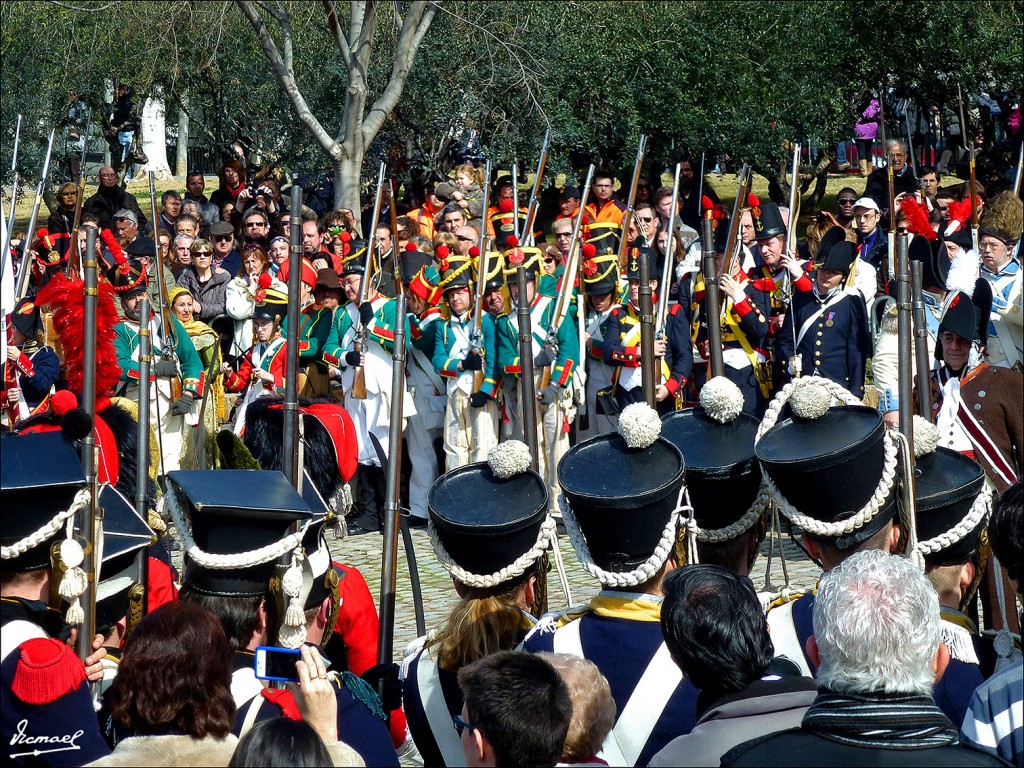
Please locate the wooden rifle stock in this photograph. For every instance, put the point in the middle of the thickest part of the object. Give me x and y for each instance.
(358, 390)
(477, 340)
(531, 210)
(661, 319)
(627, 217)
(733, 242)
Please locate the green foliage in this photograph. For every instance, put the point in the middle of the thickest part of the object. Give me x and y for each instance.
(737, 76)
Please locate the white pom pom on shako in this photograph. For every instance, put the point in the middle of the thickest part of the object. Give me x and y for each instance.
(721, 399)
(926, 437)
(639, 425)
(810, 399)
(509, 458)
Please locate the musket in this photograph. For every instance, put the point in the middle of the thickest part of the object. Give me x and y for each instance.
(392, 500)
(891, 259)
(791, 247)
(531, 208)
(1020, 171)
(515, 198)
(627, 217)
(290, 464)
(394, 233)
(170, 343)
(700, 187)
(74, 262)
(661, 316)
(476, 336)
(711, 296)
(647, 359)
(90, 523)
(910, 141)
(923, 364)
(733, 242)
(528, 391)
(358, 390)
(564, 298)
(13, 201)
(142, 449)
(974, 199)
(26, 260)
(905, 367)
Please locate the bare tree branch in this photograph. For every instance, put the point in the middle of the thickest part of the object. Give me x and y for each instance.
(70, 7)
(334, 24)
(286, 31)
(286, 77)
(414, 27)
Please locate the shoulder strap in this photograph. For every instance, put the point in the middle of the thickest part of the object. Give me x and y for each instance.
(17, 632)
(645, 706)
(251, 713)
(436, 709)
(815, 315)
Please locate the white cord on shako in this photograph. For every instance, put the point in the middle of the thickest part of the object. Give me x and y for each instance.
(811, 398)
(73, 582)
(293, 630)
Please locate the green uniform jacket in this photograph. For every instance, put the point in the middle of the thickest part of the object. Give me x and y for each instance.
(126, 341)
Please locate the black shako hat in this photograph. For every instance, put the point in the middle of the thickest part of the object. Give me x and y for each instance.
(828, 463)
(947, 487)
(768, 223)
(966, 315)
(638, 250)
(604, 235)
(235, 512)
(622, 491)
(411, 262)
(125, 534)
(486, 516)
(40, 475)
(717, 442)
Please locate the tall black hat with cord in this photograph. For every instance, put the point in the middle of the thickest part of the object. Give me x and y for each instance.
(723, 477)
(622, 494)
(832, 470)
(489, 521)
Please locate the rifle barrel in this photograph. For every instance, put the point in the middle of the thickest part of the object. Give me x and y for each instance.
(392, 503)
(647, 358)
(290, 447)
(527, 393)
(627, 218)
(713, 313)
(89, 522)
(666, 270)
(30, 232)
(923, 364)
(906, 366)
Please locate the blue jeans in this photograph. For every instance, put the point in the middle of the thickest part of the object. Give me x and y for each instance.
(841, 153)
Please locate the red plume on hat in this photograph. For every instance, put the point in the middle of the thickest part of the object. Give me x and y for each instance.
(474, 252)
(754, 204)
(506, 205)
(917, 218)
(110, 240)
(442, 255)
(959, 214)
(66, 297)
(410, 246)
(344, 236)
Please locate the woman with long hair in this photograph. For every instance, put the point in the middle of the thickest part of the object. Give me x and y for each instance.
(489, 526)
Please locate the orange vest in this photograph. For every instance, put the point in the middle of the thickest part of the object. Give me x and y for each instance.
(613, 211)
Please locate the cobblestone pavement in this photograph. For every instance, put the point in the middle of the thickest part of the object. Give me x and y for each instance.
(439, 596)
(364, 552)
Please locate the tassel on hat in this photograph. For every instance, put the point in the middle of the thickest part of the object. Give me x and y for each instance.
(293, 629)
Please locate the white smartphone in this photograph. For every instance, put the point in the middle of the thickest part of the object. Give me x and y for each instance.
(273, 663)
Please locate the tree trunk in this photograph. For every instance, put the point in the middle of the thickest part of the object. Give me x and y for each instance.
(181, 159)
(154, 137)
(346, 181)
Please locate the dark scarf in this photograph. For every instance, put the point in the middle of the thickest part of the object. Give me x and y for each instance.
(879, 721)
